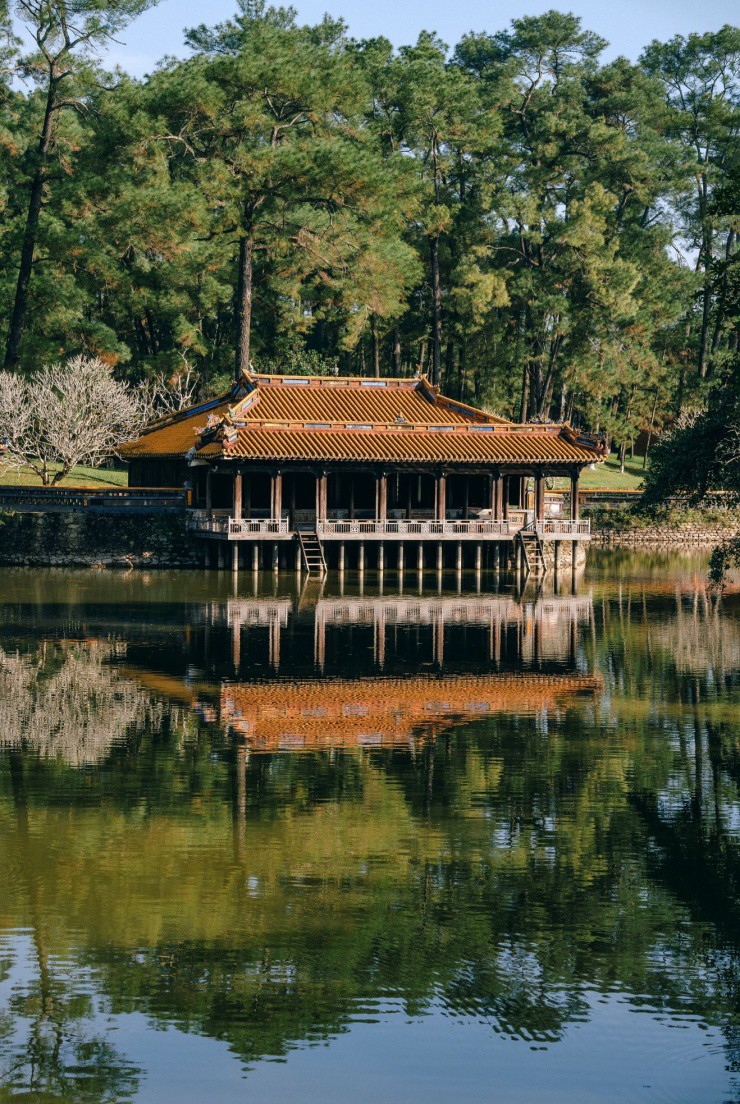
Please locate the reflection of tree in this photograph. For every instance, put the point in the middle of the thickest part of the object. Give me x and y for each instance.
(266, 902)
(50, 1044)
(68, 702)
(503, 871)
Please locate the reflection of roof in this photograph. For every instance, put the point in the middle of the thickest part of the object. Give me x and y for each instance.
(314, 418)
(310, 715)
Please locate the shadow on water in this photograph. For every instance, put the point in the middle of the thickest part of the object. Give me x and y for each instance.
(270, 817)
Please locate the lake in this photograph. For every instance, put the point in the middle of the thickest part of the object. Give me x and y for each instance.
(370, 843)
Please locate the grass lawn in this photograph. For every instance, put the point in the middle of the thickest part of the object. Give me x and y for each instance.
(78, 477)
(607, 476)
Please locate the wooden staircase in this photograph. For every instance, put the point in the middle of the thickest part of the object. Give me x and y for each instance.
(533, 550)
(312, 551)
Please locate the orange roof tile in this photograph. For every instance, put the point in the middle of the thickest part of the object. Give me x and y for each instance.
(432, 445)
(316, 419)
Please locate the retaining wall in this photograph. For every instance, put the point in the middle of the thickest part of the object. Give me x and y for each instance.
(91, 540)
(659, 536)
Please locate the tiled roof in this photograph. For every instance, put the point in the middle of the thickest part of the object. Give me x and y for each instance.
(177, 434)
(306, 715)
(317, 419)
(433, 445)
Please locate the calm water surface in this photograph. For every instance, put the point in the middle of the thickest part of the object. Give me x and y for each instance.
(258, 844)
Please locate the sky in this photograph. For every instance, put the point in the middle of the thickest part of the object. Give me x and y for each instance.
(628, 25)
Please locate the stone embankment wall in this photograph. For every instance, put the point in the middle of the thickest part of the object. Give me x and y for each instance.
(565, 553)
(89, 539)
(706, 536)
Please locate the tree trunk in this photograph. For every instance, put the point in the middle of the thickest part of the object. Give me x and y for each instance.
(523, 396)
(376, 345)
(30, 232)
(650, 431)
(422, 355)
(246, 252)
(706, 307)
(436, 314)
(397, 362)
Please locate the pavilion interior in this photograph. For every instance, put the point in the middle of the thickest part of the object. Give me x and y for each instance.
(352, 494)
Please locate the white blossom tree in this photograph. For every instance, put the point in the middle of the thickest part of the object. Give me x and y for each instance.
(64, 415)
(175, 392)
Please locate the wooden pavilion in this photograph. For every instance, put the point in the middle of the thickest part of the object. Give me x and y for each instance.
(332, 466)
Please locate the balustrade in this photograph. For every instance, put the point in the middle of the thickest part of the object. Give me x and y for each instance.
(402, 528)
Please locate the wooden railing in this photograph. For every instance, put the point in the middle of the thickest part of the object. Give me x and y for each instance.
(555, 527)
(412, 528)
(238, 528)
(402, 529)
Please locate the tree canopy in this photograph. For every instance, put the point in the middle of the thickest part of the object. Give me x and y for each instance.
(536, 229)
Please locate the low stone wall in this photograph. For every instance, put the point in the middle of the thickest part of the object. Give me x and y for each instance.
(565, 553)
(660, 536)
(90, 540)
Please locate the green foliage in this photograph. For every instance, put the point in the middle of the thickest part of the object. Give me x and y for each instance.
(537, 230)
(724, 559)
(701, 453)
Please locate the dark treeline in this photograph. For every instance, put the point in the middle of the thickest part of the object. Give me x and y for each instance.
(534, 228)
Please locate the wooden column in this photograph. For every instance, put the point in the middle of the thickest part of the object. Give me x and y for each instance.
(504, 497)
(441, 496)
(352, 496)
(382, 496)
(466, 498)
(238, 495)
(539, 496)
(321, 497)
(574, 495)
(276, 504)
(209, 492)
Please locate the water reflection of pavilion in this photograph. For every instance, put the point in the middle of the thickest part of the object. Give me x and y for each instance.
(394, 670)
(478, 631)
